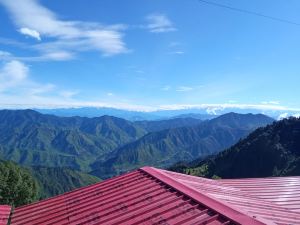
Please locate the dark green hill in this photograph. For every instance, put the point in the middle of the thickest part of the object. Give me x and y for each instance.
(166, 147)
(54, 181)
(30, 138)
(270, 151)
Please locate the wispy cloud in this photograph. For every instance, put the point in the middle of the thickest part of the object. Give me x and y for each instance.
(68, 94)
(271, 102)
(140, 71)
(52, 56)
(176, 48)
(4, 55)
(56, 55)
(166, 88)
(28, 101)
(159, 23)
(174, 44)
(184, 89)
(177, 52)
(218, 108)
(35, 20)
(29, 32)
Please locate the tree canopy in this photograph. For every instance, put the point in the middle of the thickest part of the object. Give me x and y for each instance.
(17, 186)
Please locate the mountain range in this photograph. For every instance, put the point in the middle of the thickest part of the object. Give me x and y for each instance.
(273, 150)
(107, 145)
(165, 147)
(30, 138)
(203, 112)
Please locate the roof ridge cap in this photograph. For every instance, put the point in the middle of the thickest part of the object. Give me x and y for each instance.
(209, 201)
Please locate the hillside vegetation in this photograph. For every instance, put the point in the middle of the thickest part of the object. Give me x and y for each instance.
(30, 138)
(106, 146)
(54, 181)
(22, 185)
(158, 125)
(17, 186)
(163, 148)
(273, 150)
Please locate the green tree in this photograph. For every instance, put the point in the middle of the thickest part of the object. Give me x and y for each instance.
(17, 187)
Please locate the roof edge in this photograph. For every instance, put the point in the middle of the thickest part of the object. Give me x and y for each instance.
(210, 202)
(5, 214)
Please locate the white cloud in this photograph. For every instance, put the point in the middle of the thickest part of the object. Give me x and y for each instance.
(57, 55)
(286, 115)
(35, 20)
(296, 115)
(26, 100)
(283, 116)
(184, 89)
(30, 32)
(14, 78)
(159, 23)
(17, 87)
(12, 73)
(110, 94)
(222, 107)
(51, 55)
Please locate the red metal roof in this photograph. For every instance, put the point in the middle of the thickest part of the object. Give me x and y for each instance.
(283, 191)
(154, 196)
(4, 214)
(269, 200)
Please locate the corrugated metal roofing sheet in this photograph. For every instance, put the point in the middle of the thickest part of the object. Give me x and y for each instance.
(138, 197)
(269, 200)
(153, 196)
(4, 214)
(283, 191)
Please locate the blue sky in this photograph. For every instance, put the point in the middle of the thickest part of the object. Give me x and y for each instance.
(147, 55)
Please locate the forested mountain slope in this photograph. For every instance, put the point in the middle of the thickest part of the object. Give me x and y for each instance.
(22, 185)
(158, 125)
(54, 181)
(169, 146)
(270, 151)
(30, 138)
